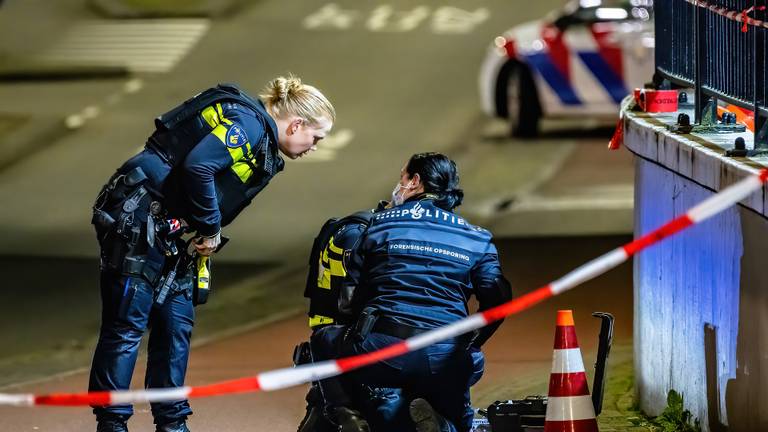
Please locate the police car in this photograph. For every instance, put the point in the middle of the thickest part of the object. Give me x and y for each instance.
(579, 61)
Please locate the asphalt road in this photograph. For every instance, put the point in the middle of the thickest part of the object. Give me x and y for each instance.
(400, 84)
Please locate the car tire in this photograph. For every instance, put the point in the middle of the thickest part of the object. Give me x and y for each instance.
(523, 106)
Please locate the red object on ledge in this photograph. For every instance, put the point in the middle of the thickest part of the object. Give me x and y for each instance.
(650, 100)
(618, 136)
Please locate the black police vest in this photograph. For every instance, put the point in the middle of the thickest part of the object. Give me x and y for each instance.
(179, 130)
(325, 302)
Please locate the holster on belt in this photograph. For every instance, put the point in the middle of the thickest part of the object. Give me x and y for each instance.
(302, 354)
(364, 324)
(119, 216)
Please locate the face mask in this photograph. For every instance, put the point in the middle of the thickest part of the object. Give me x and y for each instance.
(397, 197)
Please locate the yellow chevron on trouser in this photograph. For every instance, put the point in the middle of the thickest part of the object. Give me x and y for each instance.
(316, 320)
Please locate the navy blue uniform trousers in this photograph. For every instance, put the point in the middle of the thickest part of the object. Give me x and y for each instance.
(441, 374)
(128, 309)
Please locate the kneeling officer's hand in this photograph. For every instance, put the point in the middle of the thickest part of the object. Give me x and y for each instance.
(207, 245)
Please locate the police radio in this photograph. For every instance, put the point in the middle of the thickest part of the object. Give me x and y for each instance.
(202, 280)
(201, 287)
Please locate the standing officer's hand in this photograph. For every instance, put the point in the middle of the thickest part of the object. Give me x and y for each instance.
(207, 245)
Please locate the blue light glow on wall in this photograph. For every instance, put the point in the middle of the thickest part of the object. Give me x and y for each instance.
(680, 285)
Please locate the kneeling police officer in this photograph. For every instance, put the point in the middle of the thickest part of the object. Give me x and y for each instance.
(205, 162)
(416, 266)
(330, 300)
(330, 293)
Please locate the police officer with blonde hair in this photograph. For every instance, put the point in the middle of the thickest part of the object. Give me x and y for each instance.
(204, 163)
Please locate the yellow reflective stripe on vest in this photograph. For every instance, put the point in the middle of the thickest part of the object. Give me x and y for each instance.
(330, 267)
(337, 266)
(220, 131)
(221, 115)
(236, 153)
(243, 171)
(240, 167)
(211, 116)
(324, 275)
(316, 320)
(214, 116)
(334, 248)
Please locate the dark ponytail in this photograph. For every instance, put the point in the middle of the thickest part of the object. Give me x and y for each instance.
(439, 176)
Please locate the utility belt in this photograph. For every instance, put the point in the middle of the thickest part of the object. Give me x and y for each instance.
(369, 322)
(134, 236)
(138, 239)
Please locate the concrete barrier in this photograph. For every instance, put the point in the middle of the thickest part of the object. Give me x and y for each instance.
(701, 298)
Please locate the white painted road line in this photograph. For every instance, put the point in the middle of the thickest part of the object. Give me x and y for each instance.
(444, 20)
(566, 203)
(140, 46)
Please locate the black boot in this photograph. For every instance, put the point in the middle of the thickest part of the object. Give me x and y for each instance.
(310, 421)
(177, 426)
(424, 416)
(111, 426)
(349, 420)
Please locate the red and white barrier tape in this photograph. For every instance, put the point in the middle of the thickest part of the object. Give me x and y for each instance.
(288, 377)
(738, 16)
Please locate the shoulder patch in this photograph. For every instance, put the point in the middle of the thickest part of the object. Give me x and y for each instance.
(236, 137)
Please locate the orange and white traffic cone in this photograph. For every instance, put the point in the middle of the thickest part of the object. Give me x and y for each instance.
(569, 407)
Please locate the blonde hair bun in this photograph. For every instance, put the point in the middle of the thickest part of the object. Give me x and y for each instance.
(288, 96)
(281, 88)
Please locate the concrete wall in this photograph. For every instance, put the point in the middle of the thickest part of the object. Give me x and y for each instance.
(746, 393)
(714, 274)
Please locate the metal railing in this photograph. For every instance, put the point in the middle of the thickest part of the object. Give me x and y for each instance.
(706, 45)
